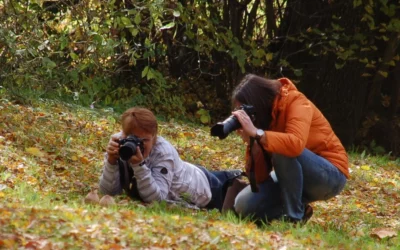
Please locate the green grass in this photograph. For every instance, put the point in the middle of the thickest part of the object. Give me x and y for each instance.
(51, 156)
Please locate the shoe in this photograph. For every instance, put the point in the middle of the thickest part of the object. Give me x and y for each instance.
(308, 212)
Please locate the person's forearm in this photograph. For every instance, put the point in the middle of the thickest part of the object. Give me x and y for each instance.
(110, 180)
(149, 189)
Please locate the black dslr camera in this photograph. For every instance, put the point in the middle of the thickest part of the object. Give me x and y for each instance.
(223, 129)
(128, 147)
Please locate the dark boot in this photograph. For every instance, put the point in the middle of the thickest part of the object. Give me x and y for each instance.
(308, 212)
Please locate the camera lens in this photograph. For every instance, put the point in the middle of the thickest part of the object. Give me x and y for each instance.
(127, 150)
(223, 129)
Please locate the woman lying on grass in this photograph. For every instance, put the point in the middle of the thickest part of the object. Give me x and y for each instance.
(153, 171)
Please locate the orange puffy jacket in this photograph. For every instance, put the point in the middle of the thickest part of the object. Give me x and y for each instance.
(297, 124)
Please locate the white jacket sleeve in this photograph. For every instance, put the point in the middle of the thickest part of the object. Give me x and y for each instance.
(110, 179)
(154, 184)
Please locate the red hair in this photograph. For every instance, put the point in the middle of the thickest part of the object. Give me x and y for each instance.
(141, 118)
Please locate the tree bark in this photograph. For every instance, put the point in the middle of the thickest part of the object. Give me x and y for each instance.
(251, 19)
(375, 89)
(271, 22)
(340, 94)
(395, 100)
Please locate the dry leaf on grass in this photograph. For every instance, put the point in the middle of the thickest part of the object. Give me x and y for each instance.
(382, 233)
(123, 202)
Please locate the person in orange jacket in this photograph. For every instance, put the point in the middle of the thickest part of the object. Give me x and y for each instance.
(308, 160)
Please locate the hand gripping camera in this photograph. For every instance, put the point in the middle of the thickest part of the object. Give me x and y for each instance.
(223, 129)
(128, 147)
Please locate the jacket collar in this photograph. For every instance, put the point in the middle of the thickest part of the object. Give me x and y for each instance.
(281, 98)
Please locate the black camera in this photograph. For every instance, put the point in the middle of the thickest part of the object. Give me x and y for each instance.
(223, 129)
(128, 147)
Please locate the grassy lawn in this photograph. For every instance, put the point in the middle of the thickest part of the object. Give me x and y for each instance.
(51, 157)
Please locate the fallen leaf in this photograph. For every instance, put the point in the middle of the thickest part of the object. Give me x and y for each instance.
(2, 186)
(275, 237)
(35, 152)
(365, 167)
(79, 184)
(84, 160)
(123, 202)
(382, 233)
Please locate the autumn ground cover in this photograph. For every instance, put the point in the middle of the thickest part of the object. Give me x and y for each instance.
(51, 157)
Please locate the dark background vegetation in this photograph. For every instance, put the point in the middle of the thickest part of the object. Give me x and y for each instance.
(183, 58)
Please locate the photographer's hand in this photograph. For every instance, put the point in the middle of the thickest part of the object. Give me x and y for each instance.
(248, 128)
(138, 158)
(112, 149)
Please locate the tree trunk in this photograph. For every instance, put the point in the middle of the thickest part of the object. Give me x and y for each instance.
(271, 22)
(339, 94)
(390, 52)
(395, 100)
(251, 20)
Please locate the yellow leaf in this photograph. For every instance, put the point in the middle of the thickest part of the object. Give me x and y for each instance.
(188, 218)
(2, 195)
(74, 158)
(383, 73)
(365, 167)
(35, 152)
(84, 160)
(175, 217)
(188, 230)
(391, 182)
(391, 63)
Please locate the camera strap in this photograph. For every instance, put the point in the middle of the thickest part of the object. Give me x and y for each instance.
(252, 177)
(267, 162)
(128, 180)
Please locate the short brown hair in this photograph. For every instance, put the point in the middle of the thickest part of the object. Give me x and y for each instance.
(141, 118)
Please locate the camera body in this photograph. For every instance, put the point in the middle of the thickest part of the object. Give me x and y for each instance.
(230, 124)
(128, 147)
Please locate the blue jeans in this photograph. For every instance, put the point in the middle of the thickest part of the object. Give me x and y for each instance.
(219, 182)
(301, 180)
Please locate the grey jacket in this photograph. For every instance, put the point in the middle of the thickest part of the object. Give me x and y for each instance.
(164, 176)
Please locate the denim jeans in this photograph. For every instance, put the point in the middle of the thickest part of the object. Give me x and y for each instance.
(219, 182)
(301, 180)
